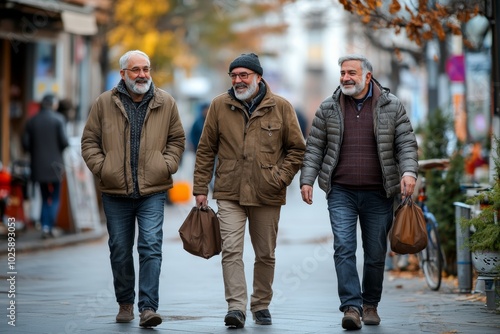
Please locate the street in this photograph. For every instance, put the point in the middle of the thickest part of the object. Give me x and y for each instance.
(69, 289)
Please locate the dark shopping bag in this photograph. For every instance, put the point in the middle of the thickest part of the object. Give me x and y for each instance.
(408, 234)
(200, 233)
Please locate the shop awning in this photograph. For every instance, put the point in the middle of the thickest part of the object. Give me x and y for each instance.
(79, 24)
(76, 19)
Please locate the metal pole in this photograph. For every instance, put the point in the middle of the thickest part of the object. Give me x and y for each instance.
(464, 260)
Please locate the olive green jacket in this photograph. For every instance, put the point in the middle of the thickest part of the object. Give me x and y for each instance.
(257, 156)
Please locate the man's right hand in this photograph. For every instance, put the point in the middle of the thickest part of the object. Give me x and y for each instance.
(307, 193)
(201, 201)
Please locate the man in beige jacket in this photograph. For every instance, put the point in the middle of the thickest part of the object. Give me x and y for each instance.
(132, 143)
(257, 140)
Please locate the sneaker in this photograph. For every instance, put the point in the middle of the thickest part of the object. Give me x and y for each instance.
(47, 234)
(235, 319)
(149, 318)
(351, 319)
(262, 317)
(370, 315)
(126, 313)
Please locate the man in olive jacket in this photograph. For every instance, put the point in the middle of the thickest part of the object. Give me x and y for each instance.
(363, 151)
(132, 143)
(257, 140)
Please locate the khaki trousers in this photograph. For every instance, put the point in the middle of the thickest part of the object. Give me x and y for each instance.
(263, 230)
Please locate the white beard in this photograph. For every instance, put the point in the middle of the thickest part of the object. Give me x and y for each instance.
(136, 87)
(250, 91)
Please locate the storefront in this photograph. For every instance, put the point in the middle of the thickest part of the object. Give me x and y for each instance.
(45, 47)
(50, 47)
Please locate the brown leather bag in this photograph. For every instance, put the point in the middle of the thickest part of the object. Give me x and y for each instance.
(408, 234)
(200, 233)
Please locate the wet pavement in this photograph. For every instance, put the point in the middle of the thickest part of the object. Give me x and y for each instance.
(64, 285)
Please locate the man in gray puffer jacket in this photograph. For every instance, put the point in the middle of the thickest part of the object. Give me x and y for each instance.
(363, 150)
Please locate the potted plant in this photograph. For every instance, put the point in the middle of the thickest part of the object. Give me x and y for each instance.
(484, 241)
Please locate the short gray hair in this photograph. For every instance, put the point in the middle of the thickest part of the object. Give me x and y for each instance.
(124, 59)
(366, 66)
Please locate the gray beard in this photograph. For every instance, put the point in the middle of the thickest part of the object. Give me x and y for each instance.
(138, 88)
(251, 90)
(354, 90)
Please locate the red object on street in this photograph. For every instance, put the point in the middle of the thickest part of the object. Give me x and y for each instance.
(5, 183)
(15, 204)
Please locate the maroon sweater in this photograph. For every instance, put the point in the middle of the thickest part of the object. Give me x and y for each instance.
(359, 165)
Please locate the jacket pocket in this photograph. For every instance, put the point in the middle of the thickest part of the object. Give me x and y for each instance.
(270, 182)
(155, 169)
(270, 136)
(112, 174)
(226, 180)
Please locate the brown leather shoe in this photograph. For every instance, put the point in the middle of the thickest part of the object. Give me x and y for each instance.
(351, 319)
(126, 313)
(149, 318)
(370, 315)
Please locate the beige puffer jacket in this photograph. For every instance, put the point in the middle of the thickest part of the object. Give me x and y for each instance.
(106, 144)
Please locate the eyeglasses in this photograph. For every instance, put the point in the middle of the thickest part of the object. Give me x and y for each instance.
(137, 70)
(242, 75)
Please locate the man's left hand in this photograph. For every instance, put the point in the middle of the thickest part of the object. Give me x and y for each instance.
(407, 185)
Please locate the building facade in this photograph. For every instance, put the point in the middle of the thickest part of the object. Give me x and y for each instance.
(47, 47)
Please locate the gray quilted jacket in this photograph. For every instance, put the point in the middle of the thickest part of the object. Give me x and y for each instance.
(396, 142)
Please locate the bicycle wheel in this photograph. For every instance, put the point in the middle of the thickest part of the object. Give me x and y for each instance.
(432, 262)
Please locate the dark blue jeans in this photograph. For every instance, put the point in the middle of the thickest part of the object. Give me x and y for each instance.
(375, 213)
(121, 214)
(50, 204)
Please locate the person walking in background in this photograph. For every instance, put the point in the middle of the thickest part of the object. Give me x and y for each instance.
(259, 145)
(197, 127)
(363, 150)
(132, 142)
(45, 139)
(303, 122)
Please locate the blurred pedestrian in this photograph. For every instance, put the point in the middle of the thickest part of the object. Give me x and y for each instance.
(363, 150)
(67, 109)
(64, 108)
(132, 142)
(45, 139)
(256, 137)
(302, 122)
(197, 127)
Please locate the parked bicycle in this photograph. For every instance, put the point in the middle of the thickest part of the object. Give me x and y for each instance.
(431, 259)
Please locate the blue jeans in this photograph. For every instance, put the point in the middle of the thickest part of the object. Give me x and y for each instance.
(121, 214)
(375, 213)
(50, 204)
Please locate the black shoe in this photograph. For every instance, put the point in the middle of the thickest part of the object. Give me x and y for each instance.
(262, 317)
(235, 319)
(47, 234)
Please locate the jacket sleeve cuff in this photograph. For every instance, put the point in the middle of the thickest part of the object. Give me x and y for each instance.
(410, 174)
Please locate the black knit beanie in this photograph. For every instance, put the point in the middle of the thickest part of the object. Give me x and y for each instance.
(248, 60)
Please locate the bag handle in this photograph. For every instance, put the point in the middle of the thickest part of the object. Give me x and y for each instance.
(407, 201)
(205, 208)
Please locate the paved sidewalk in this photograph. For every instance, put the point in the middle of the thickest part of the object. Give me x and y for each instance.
(69, 289)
